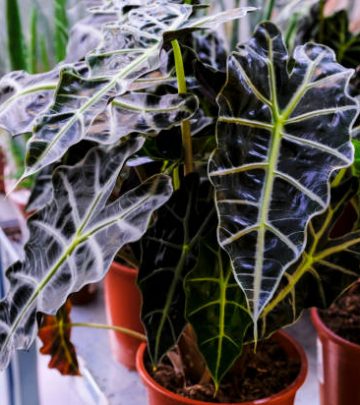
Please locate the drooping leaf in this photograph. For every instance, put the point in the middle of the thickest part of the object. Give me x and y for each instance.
(334, 32)
(216, 308)
(130, 49)
(143, 113)
(74, 239)
(55, 334)
(328, 266)
(169, 252)
(280, 137)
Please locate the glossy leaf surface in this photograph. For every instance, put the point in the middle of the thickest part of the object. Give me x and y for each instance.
(328, 266)
(280, 136)
(23, 97)
(169, 252)
(216, 308)
(55, 334)
(74, 239)
(130, 48)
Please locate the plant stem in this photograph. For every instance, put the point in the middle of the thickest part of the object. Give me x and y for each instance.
(185, 125)
(340, 175)
(291, 30)
(32, 54)
(120, 329)
(321, 22)
(269, 10)
(16, 42)
(235, 28)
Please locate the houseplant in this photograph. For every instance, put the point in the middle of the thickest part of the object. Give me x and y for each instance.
(232, 267)
(338, 351)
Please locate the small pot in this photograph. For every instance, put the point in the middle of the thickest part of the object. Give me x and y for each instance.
(158, 395)
(338, 363)
(123, 305)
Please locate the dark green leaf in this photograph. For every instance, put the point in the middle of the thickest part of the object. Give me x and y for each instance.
(170, 250)
(217, 310)
(328, 266)
(280, 137)
(333, 32)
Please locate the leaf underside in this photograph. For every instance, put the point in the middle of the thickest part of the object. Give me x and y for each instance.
(55, 334)
(280, 136)
(82, 232)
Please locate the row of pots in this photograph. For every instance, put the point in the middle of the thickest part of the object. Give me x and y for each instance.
(338, 360)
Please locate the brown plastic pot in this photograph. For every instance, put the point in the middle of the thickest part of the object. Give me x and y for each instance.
(123, 304)
(158, 395)
(338, 362)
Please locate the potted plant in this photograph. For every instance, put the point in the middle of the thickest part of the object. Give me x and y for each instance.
(243, 167)
(338, 349)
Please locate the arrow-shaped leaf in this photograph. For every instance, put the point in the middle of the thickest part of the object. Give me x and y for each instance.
(328, 266)
(169, 252)
(74, 239)
(216, 308)
(280, 137)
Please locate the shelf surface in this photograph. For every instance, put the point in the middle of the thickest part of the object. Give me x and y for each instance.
(105, 381)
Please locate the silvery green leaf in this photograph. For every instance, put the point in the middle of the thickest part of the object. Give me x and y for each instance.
(74, 239)
(23, 97)
(281, 134)
(86, 35)
(143, 113)
(130, 49)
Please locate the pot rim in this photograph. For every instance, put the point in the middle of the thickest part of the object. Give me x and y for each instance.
(320, 326)
(118, 267)
(287, 392)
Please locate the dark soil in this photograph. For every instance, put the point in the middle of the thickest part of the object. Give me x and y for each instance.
(265, 373)
(343, 317)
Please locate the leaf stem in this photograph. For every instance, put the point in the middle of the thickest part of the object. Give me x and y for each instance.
(125, 331)
(269, 10)
(185, 125)
(235, 28)
(321, 22)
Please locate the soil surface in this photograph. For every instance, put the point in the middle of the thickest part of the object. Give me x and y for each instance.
(265, 373)
(343, 316)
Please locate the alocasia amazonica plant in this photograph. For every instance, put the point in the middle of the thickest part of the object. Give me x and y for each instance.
(229, 245)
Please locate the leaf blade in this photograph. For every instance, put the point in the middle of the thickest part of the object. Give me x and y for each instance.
(81, 241)
(266, 170)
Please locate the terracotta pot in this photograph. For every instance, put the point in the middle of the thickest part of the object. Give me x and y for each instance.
(123, 305)
(160, 396)
(338, 366)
